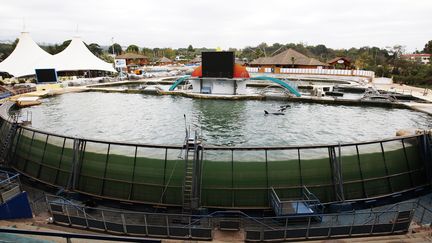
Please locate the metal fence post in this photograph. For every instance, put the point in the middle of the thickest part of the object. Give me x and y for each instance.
(105, 171)
(336, 173)
(76, 161)
(386, 168)
(123, 223)
(131, 189)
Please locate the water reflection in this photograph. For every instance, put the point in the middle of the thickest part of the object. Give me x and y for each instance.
(222, 122)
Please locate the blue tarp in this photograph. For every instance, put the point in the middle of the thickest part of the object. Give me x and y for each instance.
(17, 207)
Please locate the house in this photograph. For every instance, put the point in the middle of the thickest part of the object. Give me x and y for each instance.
(287, 59)
(134, 59)
(164, 61)
(196, 60)
(340, 63)
(422, 58)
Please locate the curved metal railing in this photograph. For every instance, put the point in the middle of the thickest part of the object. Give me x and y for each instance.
(232, 177)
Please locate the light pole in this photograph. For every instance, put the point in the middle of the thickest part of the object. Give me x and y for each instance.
(114, 56)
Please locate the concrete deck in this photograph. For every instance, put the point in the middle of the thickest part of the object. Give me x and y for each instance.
(420, 93)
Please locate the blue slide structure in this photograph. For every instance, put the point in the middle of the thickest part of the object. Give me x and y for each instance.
(275, 80)
(280, 82)
(178, 82)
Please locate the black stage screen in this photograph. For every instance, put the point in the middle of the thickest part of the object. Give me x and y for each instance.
(46, 75)
(218, 64)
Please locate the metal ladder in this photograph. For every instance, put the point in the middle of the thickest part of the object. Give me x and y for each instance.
(7, 142)
(192, 147)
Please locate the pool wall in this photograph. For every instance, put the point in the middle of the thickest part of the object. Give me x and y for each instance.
(232, 177)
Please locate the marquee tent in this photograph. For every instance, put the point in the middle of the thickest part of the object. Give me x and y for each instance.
(28, 56)
(77, 56)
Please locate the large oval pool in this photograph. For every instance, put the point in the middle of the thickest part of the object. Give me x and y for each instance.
(160, 120)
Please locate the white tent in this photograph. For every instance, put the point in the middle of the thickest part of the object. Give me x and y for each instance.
(26, 57)
(77, 56)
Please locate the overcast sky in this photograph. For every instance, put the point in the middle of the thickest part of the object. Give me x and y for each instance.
(222, 23)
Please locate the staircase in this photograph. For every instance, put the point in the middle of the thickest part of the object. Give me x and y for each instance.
(192, 148)
(7, 141)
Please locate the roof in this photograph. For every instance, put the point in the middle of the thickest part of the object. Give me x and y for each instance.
(196, 59)
(288, 57)
(25, 58)
(28, 56)
(131, 55)
(164, 60)
(339, 58)
(77, 56)
(417, 55)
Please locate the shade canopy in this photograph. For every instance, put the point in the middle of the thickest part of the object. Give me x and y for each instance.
(28, 56)
(78, 57)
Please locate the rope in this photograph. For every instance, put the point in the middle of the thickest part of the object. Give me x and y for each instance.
(169, 179)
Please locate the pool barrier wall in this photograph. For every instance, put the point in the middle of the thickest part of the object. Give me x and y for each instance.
(231, 177)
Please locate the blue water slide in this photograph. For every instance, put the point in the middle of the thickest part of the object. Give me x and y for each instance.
(280, 82)
(178, 82)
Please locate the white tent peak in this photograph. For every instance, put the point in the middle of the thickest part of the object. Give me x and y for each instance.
(26, 56)
(77, 56)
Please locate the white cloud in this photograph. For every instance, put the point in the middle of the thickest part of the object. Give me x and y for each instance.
(211, 23)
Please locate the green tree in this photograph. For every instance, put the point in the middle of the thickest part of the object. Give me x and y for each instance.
(132, 48)
(190, 48)
(169, 53)
(6, 49)
(428, 47)
(54, 49)
(117, 49)
(363, 61)
(95, 49)
(148, 53)
(106, 57)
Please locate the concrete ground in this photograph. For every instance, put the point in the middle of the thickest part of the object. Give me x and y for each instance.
(421, 93)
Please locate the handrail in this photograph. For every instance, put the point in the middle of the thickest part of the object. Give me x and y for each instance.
(256, 219)
(212, 147)
(73, 205)
(104, 237)
(8, 180)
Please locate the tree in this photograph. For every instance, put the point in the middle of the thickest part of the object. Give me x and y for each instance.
(428, 47)
(363, 61)
(132, 48)
(190, 48)
(54, 49)
(117, 49)
(95, 49)
(169, 53)
(6, 49)
(147, 52)
(106, 57)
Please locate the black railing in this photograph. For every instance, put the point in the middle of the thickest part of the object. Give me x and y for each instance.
(179, 226)
(232, 177)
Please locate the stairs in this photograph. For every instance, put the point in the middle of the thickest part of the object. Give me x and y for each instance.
(188, 182)
(7, 142)
(191, 175)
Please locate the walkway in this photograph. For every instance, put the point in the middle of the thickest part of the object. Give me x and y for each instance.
(420, 93)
